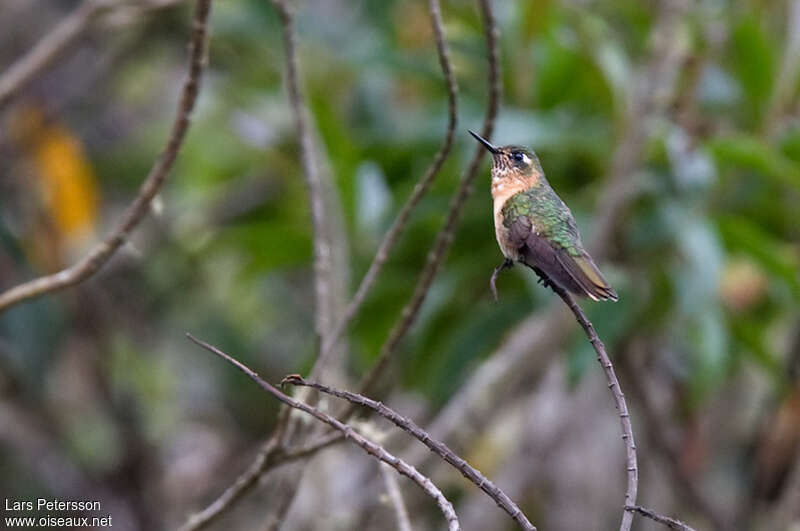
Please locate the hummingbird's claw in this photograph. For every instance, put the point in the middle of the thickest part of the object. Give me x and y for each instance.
(544, 280)
(507, 264)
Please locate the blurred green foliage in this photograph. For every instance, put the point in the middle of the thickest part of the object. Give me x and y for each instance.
(377, 98)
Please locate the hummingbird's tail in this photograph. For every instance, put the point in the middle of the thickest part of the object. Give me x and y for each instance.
(586, 277)
(574, 271)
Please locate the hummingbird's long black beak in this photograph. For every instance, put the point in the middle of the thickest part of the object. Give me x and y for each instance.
(488, 145)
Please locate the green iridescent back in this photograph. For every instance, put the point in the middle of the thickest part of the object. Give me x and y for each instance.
(549, 215)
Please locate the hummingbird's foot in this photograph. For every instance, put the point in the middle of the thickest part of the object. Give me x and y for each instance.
(543, 278)
(507, 264)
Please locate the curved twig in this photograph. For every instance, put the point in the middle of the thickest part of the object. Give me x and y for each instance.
(399, 224)
(619, 401)
(47, 50)
(445, 237)
(368, 446)
(396, 497)
(439, 448)
(102, 251)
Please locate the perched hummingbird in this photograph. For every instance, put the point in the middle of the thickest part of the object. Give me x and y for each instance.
(534, 226)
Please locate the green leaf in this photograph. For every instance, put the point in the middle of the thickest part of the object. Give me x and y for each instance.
(742, 235)
(753, 153)
(708, 339)
(753, 57)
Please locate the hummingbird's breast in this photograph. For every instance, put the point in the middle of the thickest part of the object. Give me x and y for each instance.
(504, 189)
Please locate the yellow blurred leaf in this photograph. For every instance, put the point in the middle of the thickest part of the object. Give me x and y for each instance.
(66, 180)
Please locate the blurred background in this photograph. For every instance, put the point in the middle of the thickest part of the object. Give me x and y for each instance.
(670, 128)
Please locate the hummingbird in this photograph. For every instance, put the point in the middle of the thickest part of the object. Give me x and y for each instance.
(534, 227)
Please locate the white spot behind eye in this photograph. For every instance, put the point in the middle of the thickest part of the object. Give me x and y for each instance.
(526, 159)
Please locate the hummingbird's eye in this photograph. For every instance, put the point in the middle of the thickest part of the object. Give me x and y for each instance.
(517, 156)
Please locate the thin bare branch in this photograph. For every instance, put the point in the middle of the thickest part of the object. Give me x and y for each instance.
(368, 446)
(61, 39)
(671, 523)
(445, 237)
(396, 497)
(102, 251)
(399, 224)
(49, 48)
(437, 447)
(322, 243)
(308, 449)
(619, 401)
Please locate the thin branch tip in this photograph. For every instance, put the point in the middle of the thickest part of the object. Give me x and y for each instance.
(370, 447)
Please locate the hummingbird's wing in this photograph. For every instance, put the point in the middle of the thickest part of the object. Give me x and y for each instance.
(568, 265)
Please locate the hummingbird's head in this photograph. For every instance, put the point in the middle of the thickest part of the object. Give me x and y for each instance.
(514, 162)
